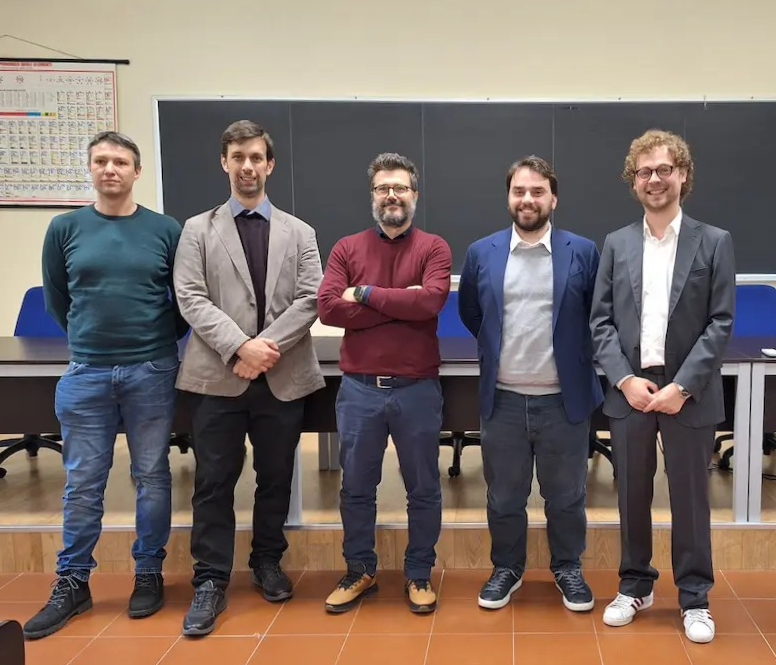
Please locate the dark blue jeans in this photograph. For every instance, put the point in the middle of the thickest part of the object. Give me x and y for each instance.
(412, 416)
(91, 404)
(522, 429)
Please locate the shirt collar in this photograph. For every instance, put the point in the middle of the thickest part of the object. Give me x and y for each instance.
(517, 241)
(384, 235)
(264, 208)
(675, 226)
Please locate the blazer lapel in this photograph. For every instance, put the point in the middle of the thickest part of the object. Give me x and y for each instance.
(562, 254)
(223, 222)
(498, 267)
(635, 258)
(687, 247)
(278, 240)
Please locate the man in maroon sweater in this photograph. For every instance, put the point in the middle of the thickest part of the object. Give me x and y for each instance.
(385, 286)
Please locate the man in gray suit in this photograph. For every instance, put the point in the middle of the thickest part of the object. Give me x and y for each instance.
(661, 319)
(246, 275)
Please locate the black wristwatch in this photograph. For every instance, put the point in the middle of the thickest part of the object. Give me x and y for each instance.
(358, 293)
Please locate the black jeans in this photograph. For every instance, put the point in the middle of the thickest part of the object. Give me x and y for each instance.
(219, 428)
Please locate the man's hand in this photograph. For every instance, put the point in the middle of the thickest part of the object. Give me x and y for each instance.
(349, 294)
(638, 392)
(245, 371)
(667, 400)
(259, 353)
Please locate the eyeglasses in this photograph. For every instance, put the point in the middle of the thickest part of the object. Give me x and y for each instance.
(399, 190)
(663, 171)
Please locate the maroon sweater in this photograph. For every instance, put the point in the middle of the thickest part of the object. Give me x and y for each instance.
(395, 332)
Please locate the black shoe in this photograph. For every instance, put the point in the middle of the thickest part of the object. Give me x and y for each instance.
(275, 584)
(209, 601)
(577, 596)
(148, 596)
(70, 596)
(499, 588)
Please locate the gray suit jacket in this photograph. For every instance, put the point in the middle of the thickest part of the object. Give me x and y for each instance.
(700, 316)
(216, 296)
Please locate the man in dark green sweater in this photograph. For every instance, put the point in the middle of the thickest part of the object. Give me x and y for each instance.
(107, 278)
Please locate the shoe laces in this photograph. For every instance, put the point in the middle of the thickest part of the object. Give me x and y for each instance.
(574, 580)
(499, 578)
(699, 615)
(350, 578)
(204, 596)
(62, 587)
(420, 584)
(146, 581)
(622, 602)
(273, 568)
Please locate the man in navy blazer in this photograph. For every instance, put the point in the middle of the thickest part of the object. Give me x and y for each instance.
(525, 294)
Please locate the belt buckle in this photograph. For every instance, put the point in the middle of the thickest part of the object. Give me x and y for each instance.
(380, 379)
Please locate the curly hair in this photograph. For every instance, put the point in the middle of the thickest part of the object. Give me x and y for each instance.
(658, 138)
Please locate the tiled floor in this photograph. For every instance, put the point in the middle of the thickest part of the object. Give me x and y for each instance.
(534, 629)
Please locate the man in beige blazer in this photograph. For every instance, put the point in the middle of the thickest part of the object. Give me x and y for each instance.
(246, 276)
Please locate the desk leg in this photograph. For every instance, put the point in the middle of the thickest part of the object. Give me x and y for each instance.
(741, 436)
(323, 451)
(295, 507)
(757, 425)
(334, 450)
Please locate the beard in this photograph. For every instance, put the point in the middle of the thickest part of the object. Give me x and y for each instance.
(533, 223)
(249, 190)
(393, 218)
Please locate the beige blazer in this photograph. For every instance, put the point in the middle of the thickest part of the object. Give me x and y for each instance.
(215, 295)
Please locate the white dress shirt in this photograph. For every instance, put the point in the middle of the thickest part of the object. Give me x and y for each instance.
(656, 278)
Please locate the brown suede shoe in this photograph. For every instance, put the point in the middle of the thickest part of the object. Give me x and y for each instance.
(421, 596)
(355, 585)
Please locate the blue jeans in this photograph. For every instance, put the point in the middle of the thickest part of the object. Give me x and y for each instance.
(91, 404)
(412, 415)
(523, 429)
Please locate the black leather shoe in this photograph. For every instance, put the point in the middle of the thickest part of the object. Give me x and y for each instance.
(69, 596)
(209, 601)
(273, 582)
(148, 596)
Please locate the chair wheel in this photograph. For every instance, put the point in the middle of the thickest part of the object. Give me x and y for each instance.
(454, 471)
(2, 472)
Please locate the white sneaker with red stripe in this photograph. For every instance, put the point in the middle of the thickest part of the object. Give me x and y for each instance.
(621, 610)
(698, 626)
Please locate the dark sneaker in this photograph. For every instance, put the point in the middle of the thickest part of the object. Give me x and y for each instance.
(499, 588)
(69, 596)
(148, 595)
(355, 585)
(273, 582)
(209, 601)
(577, 596)
(421, 596)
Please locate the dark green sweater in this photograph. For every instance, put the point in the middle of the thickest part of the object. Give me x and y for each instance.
(108, 283)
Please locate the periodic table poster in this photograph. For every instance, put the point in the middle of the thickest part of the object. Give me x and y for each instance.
(49, 111)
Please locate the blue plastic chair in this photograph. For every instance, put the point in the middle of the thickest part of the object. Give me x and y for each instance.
(450, 325)
(755, 316)
(33, 321)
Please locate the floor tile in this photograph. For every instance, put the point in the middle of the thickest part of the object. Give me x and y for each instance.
(727, 649)
(470, 650)
(665, 587)
(27, 588)
(771, 639)
(549, 616)
(317, 584)
(577, 649)
(247, 617)
(306, 649)
(54, 650)
(167, 622)
(642, 650)
(211, 649)
(537, 584)
(120, 650)
(309, 617)
(763, 612)
(660, 618)
(384, 650)
(390, 616)
(603, 583)
(730, 617)
(465, 616)
(752, 583)
(5, 578)
(463, 584)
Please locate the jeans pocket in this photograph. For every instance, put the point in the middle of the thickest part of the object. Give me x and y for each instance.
(163, 365)
(74, 368)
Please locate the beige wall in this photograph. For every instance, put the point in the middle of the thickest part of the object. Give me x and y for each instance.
(403, 49)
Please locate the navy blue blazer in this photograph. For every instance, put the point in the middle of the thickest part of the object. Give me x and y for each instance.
(481, 307)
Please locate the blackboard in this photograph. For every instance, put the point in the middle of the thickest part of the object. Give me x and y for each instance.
(463, 150)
